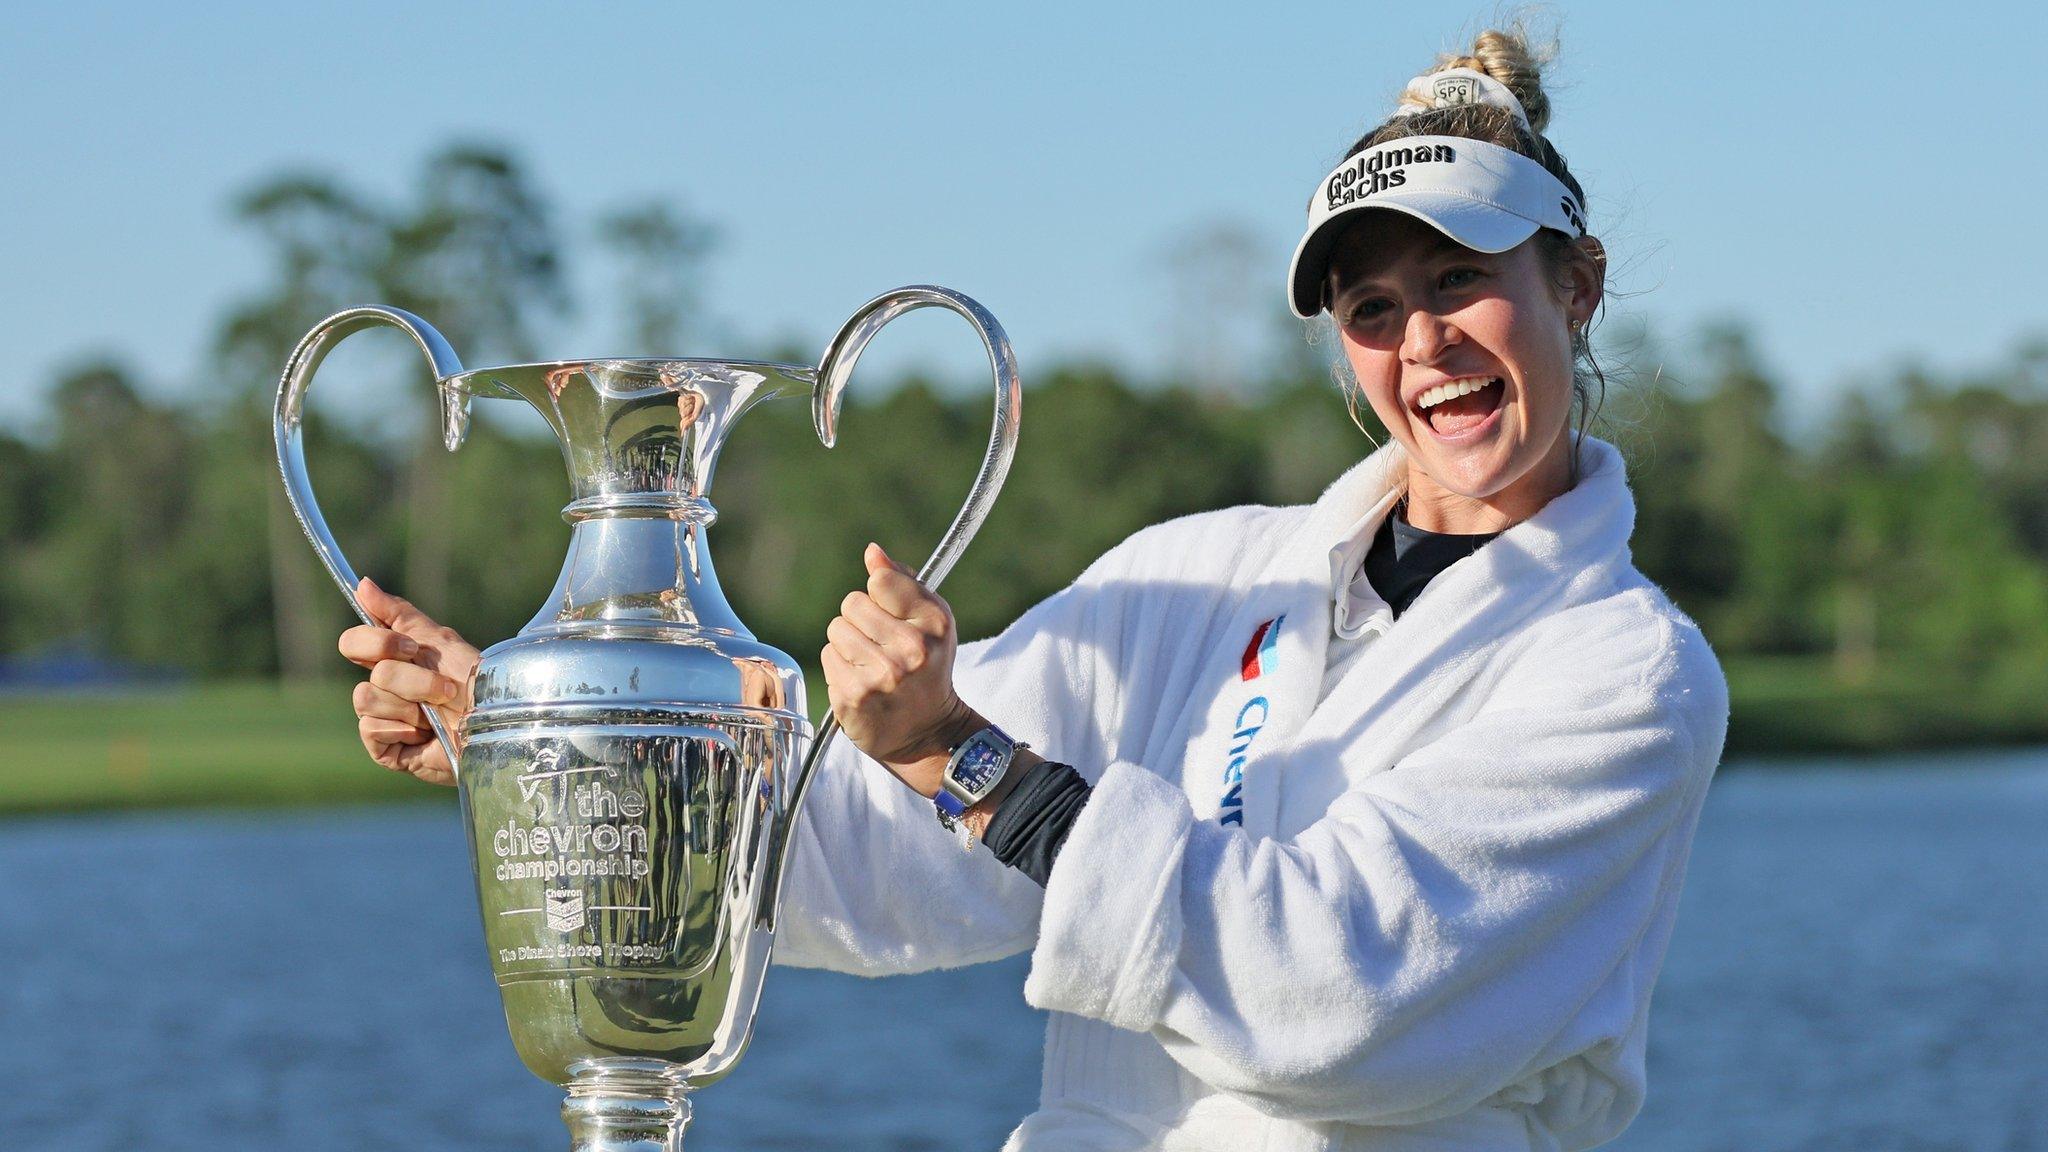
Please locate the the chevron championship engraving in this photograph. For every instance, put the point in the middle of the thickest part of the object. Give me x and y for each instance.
(588, 824)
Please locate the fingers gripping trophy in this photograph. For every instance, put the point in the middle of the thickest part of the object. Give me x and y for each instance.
(635, 761)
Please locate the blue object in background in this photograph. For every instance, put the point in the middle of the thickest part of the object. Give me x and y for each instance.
(77, 668)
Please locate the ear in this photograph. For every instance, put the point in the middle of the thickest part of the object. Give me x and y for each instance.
(1588, 280)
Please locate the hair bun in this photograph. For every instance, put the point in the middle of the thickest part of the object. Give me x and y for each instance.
(1506, 56)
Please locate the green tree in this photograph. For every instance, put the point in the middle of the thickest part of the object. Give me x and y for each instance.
(661, 255)
(26, 502)
(478, 256)
(95, 575)
(325, 242)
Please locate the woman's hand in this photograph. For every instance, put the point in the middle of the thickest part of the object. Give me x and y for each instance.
(413, 662)
(889, 673)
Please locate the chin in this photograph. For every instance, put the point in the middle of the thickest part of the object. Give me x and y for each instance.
(1474, 480)
(1477, 469)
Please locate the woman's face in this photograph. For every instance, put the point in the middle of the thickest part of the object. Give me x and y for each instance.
(1467, 359)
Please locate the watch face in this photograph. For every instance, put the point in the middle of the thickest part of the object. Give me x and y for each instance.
(981, 764)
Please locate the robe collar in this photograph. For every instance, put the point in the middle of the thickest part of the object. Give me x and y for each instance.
(1277, 643)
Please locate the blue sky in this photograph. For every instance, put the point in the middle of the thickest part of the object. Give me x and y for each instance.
(1842, 176)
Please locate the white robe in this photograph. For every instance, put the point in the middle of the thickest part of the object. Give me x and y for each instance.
(1425, 911)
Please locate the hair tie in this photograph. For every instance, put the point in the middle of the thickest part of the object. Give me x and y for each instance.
(1454, 86)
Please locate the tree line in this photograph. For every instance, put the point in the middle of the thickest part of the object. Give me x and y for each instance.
(1908, 521)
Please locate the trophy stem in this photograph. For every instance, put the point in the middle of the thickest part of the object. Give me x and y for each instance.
(626, 1106)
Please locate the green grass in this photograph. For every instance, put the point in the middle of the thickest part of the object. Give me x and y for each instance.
(244, 744)
(1798, 706)
(259, 744)
(254, 744)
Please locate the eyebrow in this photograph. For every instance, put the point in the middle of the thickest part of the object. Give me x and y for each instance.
(1438, 247)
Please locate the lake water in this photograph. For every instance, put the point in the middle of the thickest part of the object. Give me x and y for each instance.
(1859, 965)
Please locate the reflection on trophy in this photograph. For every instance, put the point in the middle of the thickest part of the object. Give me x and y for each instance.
(636, 760)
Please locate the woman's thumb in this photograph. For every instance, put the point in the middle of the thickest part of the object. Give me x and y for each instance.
(376, 601)
(876, 555)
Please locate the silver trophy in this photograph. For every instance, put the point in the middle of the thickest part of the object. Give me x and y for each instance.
(634, 767)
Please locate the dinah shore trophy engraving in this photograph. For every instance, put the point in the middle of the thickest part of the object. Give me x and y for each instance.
(632, 773)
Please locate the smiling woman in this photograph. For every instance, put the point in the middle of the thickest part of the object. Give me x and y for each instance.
(1379, 808)
(1356, 825)
(1466, 357)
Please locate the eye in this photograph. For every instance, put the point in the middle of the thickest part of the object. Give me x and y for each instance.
(1367, 310)
(1462, 277)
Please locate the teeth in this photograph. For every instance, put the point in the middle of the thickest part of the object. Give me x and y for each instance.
(1455, 388)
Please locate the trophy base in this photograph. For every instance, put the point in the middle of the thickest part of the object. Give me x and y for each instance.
(626, 1106)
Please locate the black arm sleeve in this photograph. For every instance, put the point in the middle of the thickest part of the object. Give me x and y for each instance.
(1033, 820)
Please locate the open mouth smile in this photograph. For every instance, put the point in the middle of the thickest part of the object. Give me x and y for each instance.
(1461, 410)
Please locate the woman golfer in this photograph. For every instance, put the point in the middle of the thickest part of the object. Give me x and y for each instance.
(1357, 825)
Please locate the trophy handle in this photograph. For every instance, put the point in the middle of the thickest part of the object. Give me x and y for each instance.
(291, 453)
(835, 367)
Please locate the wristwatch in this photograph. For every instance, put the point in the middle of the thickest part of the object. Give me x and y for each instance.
(978, 765)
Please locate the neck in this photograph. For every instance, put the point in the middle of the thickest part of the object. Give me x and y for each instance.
(1435, 508)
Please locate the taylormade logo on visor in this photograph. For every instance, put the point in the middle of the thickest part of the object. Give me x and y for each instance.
(1379, 170)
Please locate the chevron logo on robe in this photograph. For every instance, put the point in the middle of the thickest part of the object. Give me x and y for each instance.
(1258, 655)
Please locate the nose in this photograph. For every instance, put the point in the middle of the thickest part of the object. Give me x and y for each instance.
(1426, 336)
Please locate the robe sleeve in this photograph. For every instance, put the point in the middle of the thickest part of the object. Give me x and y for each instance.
(876, 886)
(1455, 923)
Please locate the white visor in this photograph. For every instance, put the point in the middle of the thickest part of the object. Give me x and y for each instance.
(1484, 196)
